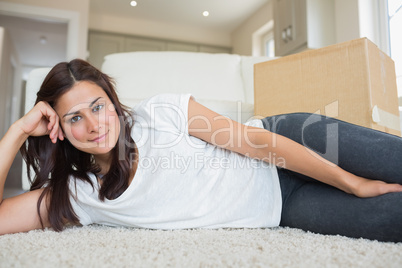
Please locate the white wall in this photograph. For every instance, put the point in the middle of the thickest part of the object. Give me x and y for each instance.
(154, 29)
(242, 37)
(373, 22)
(362, 18)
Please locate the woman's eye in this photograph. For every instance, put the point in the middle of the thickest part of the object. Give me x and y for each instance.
(75, 118)
(97, 107)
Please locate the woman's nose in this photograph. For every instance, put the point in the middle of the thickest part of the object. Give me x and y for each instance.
(93, 124)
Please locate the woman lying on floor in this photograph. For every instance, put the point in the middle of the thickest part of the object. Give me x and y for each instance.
(171, 163)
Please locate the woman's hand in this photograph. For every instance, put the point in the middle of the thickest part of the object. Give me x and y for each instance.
(41, 120)
(371, 188)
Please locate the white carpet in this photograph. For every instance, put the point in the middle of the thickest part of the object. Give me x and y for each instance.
(100, 246)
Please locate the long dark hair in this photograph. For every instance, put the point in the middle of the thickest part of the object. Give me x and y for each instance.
(55, 164)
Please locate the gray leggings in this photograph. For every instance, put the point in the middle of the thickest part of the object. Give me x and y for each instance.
(314, 206)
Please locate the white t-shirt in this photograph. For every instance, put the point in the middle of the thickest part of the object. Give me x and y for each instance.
(182, 181)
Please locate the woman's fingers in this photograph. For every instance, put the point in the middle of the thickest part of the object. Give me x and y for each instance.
(394, 188)
(57, 132)
(54, 125)
(50, 114)
(60, 134)
(54, 122)
(372, 188)
(51, 117)
(43, 120)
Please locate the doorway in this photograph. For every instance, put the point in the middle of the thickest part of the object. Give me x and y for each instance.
(38, 42)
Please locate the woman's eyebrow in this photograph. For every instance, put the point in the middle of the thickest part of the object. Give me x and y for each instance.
(89, 106)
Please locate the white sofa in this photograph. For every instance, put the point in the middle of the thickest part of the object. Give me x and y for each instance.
(222, 82)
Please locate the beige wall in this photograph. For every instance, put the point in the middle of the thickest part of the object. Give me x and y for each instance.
(349, 25)
(154, 29)
(242, 37)
(80, 7)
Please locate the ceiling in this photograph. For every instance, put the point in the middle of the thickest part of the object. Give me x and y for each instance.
(225, 15)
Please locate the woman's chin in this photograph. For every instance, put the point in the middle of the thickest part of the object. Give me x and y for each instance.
(96, 150)
(102, 151)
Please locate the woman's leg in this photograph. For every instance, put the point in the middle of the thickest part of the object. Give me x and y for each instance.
(323, 209)
(365, 152)
(314, 206)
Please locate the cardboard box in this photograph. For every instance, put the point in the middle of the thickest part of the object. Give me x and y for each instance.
(352, 81)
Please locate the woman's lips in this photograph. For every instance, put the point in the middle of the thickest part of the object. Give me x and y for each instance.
(100, 138)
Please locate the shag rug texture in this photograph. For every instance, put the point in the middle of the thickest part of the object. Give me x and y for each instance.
(101, 246)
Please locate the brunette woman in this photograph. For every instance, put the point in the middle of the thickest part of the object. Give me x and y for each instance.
(171, 163)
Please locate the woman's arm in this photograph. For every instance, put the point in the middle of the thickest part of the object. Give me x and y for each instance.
(19, 213)
(262, 144)
(9, 146)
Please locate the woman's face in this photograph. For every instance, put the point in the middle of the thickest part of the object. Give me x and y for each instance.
(88, 118)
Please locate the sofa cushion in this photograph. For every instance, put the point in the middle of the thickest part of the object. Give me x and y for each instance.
(236, 110)
(206, 76)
